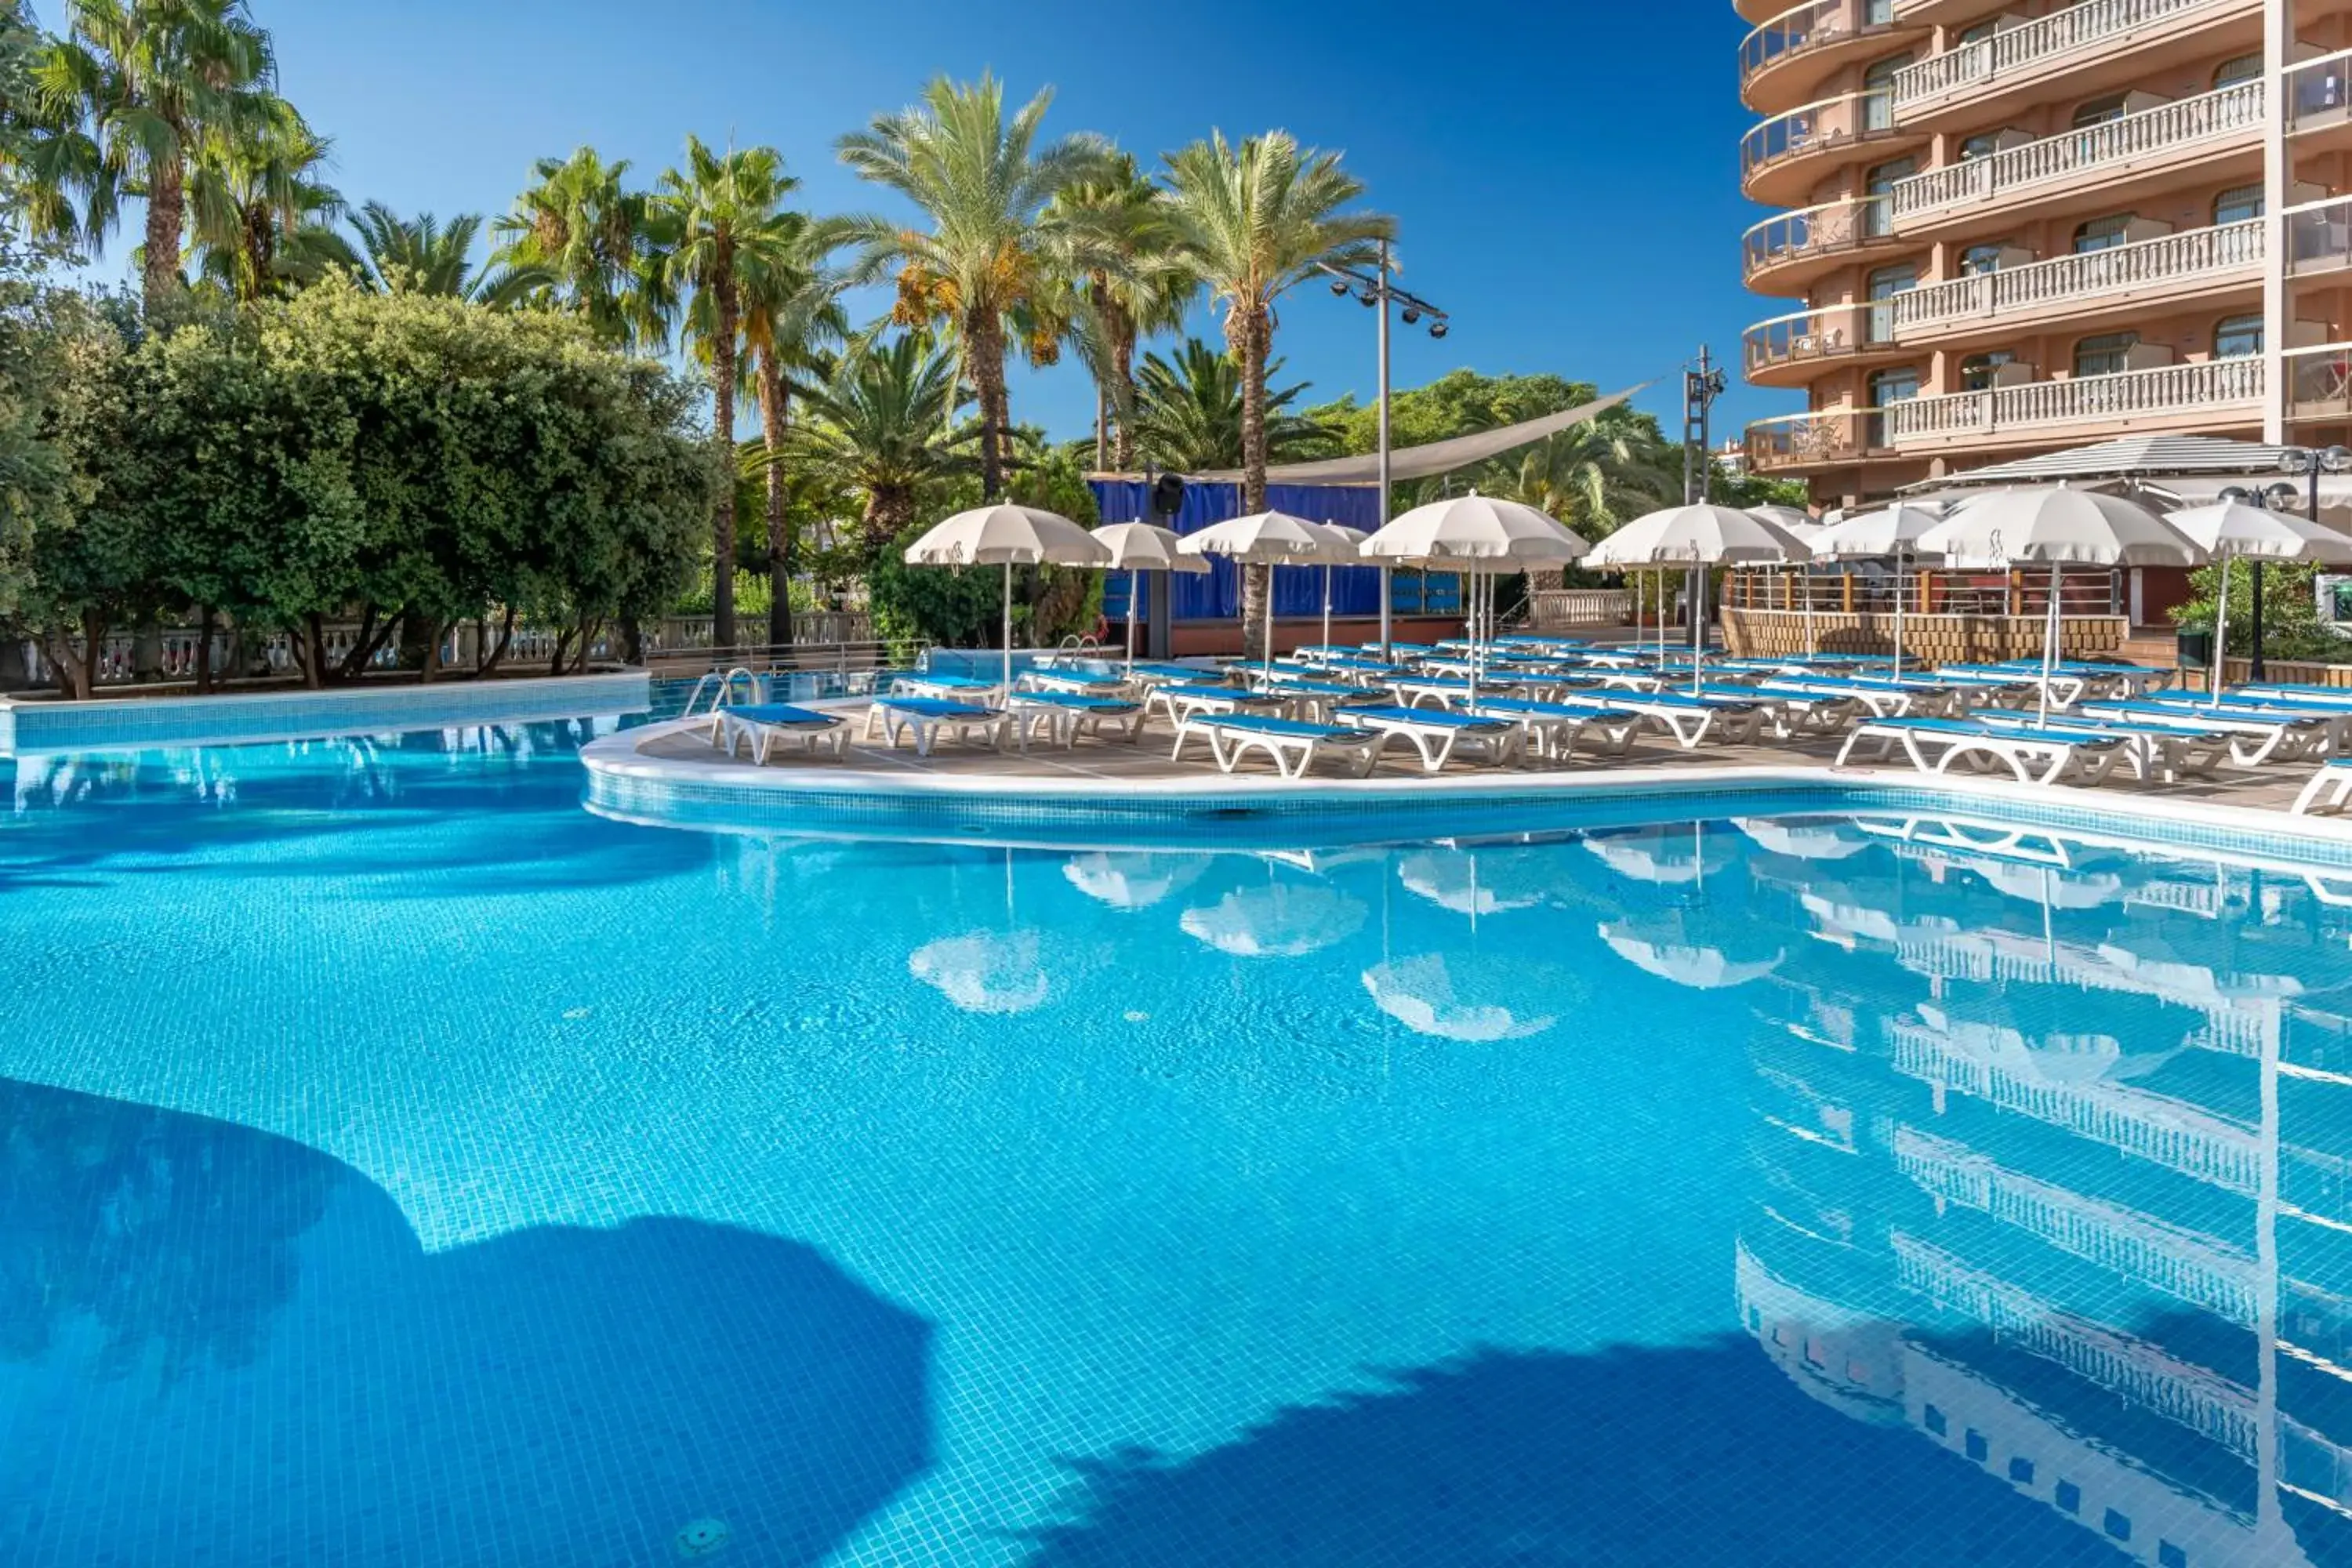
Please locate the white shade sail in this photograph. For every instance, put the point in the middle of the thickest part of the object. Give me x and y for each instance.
(1877, 535)
(1702, 535)
(1146, 547)
(1475, 528)
(1261, 539)
(2237, 529)
(2054, 527)
(1007, 536)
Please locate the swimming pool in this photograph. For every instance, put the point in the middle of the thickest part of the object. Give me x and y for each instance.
(400, 1164)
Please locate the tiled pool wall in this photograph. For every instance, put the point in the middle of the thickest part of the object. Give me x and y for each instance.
(137, 723)
(1332, 818)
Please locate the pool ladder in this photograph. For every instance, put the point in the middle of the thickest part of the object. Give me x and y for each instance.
(722, 692)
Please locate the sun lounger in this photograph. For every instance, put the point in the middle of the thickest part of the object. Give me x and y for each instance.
(2256, 735)
(2158, 751)
(2328, 789)
(1081, 682)
(1453, 691)
(1556, 729)
(929, 717)
(1292, 746)
(2056, 756)
(1880, 699)
(2010, 687)
(1313, 700)
(1437, 736)
(1069, 714)
(2100, 678)
(1792, 712)
(764, 725)
(1181, 700)
(1689, 719)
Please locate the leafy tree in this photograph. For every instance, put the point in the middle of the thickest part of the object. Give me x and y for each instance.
(1188, 414)
(421, 256)
(1252, 222)
(994, 256)
(128, 97)
(720, 229)
(966, 608)
(883, 427)
(2292, 626)
(580, 229)
(1459, 403)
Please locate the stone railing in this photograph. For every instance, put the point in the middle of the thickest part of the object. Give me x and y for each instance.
(1553, 609)
(2087, 25)
(2165, 389)
(2064, 280)
(2164, 129)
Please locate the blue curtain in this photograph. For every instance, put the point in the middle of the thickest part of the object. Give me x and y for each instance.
(1298, 590)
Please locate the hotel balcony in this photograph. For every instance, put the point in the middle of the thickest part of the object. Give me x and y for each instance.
(2173, 269)
(1789, 250)
(1789, 56)
(1787, 351)
(2087, 43)
(1818, 439)
(2319, 382)
(2318, 104)
(2170, 143)
(2198, 396)
(1782, 159)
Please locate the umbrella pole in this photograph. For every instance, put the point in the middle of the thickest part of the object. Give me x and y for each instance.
(1008, 632)
(1899, 580)
(1134, 589)
(2048, 648)
(1474, 583)
(1269, 620)
(2221, 634)
(1327, 606)
(1806, 577)
(1698, 626)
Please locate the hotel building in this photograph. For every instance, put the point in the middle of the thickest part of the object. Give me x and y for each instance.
(2007, 228)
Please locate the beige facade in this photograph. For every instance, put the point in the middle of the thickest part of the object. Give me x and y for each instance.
(2009, 229)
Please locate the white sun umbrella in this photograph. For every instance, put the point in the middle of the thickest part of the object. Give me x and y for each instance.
(1440, 998)
(1274, 922)
(1697, 537)
(1345, 548)
(2232, 528)
(2057, 526)
(1891, 532)
(1267, 539)
(1136, 548)
(1477, 536)
(1475, 882)
(1132, 881)
(1008, 536)
(1666, 950)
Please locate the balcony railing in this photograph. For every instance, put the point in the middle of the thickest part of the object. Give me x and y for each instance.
(2167, 128)
(2319, 382)
(1832, 122)
(1825, 230)
(2068, 280)
(1830, 333)
(2319, 236)
(2317, 91)
(2084, 399)
(2083, 25)
(1811, 27)
(1797, 440)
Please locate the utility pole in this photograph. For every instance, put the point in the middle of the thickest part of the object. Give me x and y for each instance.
(1701, 387)
(1384, 436)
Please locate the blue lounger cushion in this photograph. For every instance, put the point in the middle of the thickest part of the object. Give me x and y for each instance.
(1076, 700)
(1515, 705)
(937, 708)
(1428, 718)
(1266, 724)
(952, 682)
(783, 715)
(2025, 729)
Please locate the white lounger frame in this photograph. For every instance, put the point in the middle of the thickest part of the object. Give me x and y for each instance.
(1292, 755)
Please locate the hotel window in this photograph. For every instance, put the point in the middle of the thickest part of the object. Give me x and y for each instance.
(2239, 204)
(1974, 1441)
(1933, 1419)
(2168, 1555)
(2105, 354)
(1897, 385)
(1979, 32)
(1983, 145)
(2099, 111)
(2101, 233)
(1977, 371)
(2118, 1525)
(2021, 1472)
(2231, 72)
(1878, 84)
(2237, 337)
(2068, 1497)
(1979, 260)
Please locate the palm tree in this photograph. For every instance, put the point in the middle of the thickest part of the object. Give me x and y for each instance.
(790, 314)
(421, 256)
(1188, 414)
(127, 98)
(883, 426)
(1251, 222)
(260, 214)
(720, 228)
(580, 228)
(990, 260)
(1149, 289)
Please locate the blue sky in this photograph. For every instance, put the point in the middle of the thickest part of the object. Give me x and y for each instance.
(1563, 172)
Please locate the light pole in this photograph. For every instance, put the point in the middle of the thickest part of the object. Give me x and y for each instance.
(2311, 462)
(1378, 291)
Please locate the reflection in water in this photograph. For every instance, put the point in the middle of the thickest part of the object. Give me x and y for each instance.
(1132, 881)
(1459, 998)
(984, 972)
(2052, 1164)
(1281, 920)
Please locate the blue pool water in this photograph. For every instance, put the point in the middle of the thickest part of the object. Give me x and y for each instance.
(400, 1165)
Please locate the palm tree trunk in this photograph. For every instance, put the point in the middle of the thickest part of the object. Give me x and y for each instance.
(1122, 363)
(1254, 328)
(722, 521)
(780, 541)
(985, 334)
(166, 197)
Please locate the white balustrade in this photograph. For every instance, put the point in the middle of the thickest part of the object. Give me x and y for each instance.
(2067, 279)
(2085, 26)
(2233, 110)
(2164, 389)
